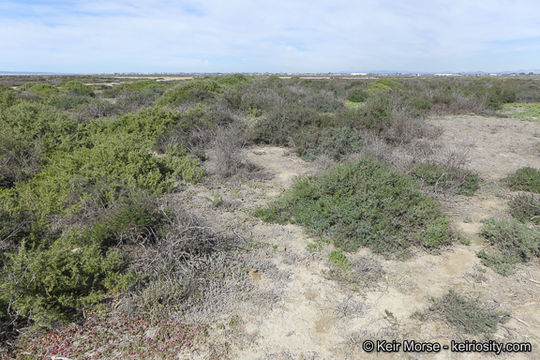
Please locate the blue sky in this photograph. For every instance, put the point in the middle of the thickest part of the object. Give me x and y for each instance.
(274, 36)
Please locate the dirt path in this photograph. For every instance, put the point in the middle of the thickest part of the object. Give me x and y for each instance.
(318, 317)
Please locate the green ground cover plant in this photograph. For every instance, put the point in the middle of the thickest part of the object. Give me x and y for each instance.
(511, 243)
(364, 203)
(524, 179)
(522, 111)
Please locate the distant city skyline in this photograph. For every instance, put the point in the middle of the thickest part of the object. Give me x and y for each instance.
(166, 36)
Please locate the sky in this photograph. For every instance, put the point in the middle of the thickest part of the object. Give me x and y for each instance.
(269, 36)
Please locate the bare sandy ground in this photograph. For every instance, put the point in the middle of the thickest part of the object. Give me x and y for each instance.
(317, 317)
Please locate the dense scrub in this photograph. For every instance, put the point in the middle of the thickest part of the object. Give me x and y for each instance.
(364, 203)
(85, 162)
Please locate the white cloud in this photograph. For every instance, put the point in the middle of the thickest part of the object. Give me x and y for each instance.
(148, 36)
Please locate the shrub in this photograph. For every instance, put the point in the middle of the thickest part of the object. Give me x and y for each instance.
(382, 85)
(376, 87)
(146, 125)
(390, 83)
(496, 96)
(281, 124)
(19, 159)
(69, 102)
(334, 142)
(233, 79)
(132, 101)
(464, 314)
(141, 86)
(77, 88)
(190, 92)
(50, 284)
(357, 96)
(118, 160)
(363, 204)
(458, 181)
(43, 91)
(512, 243)
(94, 109)
(524, 179)
(229, 158)
(194, 130)
(232, 97)
(416, 105)
(339, 260)
(376, 114)
(323, 101)
(526, 207)
(28, 122)
(7, 98)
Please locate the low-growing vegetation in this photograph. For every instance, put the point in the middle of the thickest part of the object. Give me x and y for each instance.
(523, 111)
(464, 314)
(511, 243)
(89, 234)
(526, 208)
(524, 179)
(364, 203)
(456, 180)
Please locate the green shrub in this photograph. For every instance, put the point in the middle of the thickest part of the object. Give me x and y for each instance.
(323, 101)
(191, 92)
(334, 142)
(357, 96)
(382, 85)
(43, 124)
(233, 79)
(51, 284)
(459, 181)
(44, 91)
(526, 207)
(232, 96)
(193, 130)
(390, 83)
(7, 98)
(376, 88)
(496, 96)
(339, 260)
(363, 204)
(20, 159)
(69, 102)
(146, 125)
(77, 88)
(416, 105)
(512, 243)
(120, 160)
(280, 125)
(141, 86)
(524, 179)
(465, 314)
(376, 114)
(132, 219)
